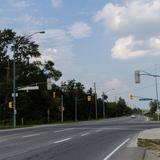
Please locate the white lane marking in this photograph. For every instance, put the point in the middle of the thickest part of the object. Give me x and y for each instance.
(68, 129)
(116, 149)
(99, 130)
(30, 135)
(85, 134)
(63, 140)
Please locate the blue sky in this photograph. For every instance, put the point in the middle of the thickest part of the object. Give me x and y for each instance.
(102, 41)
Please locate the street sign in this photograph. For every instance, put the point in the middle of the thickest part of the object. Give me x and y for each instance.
(13, 94)
(28, 88)
(49, 84)
(145, 99)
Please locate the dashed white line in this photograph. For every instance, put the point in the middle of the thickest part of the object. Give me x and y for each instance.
(68, 129)
(99, 130)
(116, 149)
(85, 134)
(63, 140)
(30, 135)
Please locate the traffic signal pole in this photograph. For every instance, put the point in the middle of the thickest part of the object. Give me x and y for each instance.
(137, 80)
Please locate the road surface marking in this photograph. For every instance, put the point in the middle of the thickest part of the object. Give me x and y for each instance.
(31, 135)
(99, 130)
(116, 149)
(68, 129)
(63, 140)
(85, 134)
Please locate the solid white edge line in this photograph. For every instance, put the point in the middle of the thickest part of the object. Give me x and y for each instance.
(116, 149)
(63, 140)
(31, 135)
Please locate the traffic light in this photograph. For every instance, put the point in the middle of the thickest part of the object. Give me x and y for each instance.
(137, 76)
(10, 104)
(131, 97)
(89, 98)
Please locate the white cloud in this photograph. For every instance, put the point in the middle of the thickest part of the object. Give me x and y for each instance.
(54, 37)
(56, 3)
(116, 84)
(57, 46)
(137, 16)
(20, 4)
(80, 30)
(129, 47)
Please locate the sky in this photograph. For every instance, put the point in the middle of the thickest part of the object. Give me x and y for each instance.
(101, 41)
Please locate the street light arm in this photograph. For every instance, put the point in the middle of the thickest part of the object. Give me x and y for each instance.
(40, 32)
(108, 90)
(149, 74)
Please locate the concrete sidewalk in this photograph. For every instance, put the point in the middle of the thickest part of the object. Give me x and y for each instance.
(150, 140)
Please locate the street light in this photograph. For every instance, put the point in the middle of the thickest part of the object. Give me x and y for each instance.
(103, 94)
(14, 78)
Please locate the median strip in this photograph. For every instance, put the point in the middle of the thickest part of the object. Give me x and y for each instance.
(116, 149)
(63, 140)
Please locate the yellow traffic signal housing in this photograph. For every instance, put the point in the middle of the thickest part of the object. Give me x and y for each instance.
(89, 98)
(131, 97)
(10, 104)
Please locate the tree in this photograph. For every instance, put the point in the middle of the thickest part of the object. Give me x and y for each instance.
(28, 72)
(153, 106)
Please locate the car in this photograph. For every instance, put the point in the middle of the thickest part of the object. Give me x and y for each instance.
(133, 116)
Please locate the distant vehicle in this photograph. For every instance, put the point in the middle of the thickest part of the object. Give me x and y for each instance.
(133, 116)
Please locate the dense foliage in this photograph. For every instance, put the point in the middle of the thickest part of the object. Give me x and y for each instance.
(40, 106)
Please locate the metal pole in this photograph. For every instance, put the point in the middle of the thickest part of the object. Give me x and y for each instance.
(48, 114)
(157, 97)
(62, 108)
(14, 83)
(103, 106)
(14, 91)
(75, 108)
(95, 100)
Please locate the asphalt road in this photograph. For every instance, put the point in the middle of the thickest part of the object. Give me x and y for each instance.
(112, 139)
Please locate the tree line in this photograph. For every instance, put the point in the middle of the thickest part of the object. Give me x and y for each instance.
(43, 106)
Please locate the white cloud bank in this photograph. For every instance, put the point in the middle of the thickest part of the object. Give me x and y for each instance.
(20, 4)
(129, 47)
(56, 3)
(80, 30)
(135, 15)
(139, 18)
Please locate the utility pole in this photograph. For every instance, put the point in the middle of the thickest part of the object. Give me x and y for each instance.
(103, 105)
(76, 107)
(95, 98)
(62, 108)
(14, 90)
(157, 92)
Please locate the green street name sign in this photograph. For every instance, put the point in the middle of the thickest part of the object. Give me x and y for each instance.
(145, 99)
